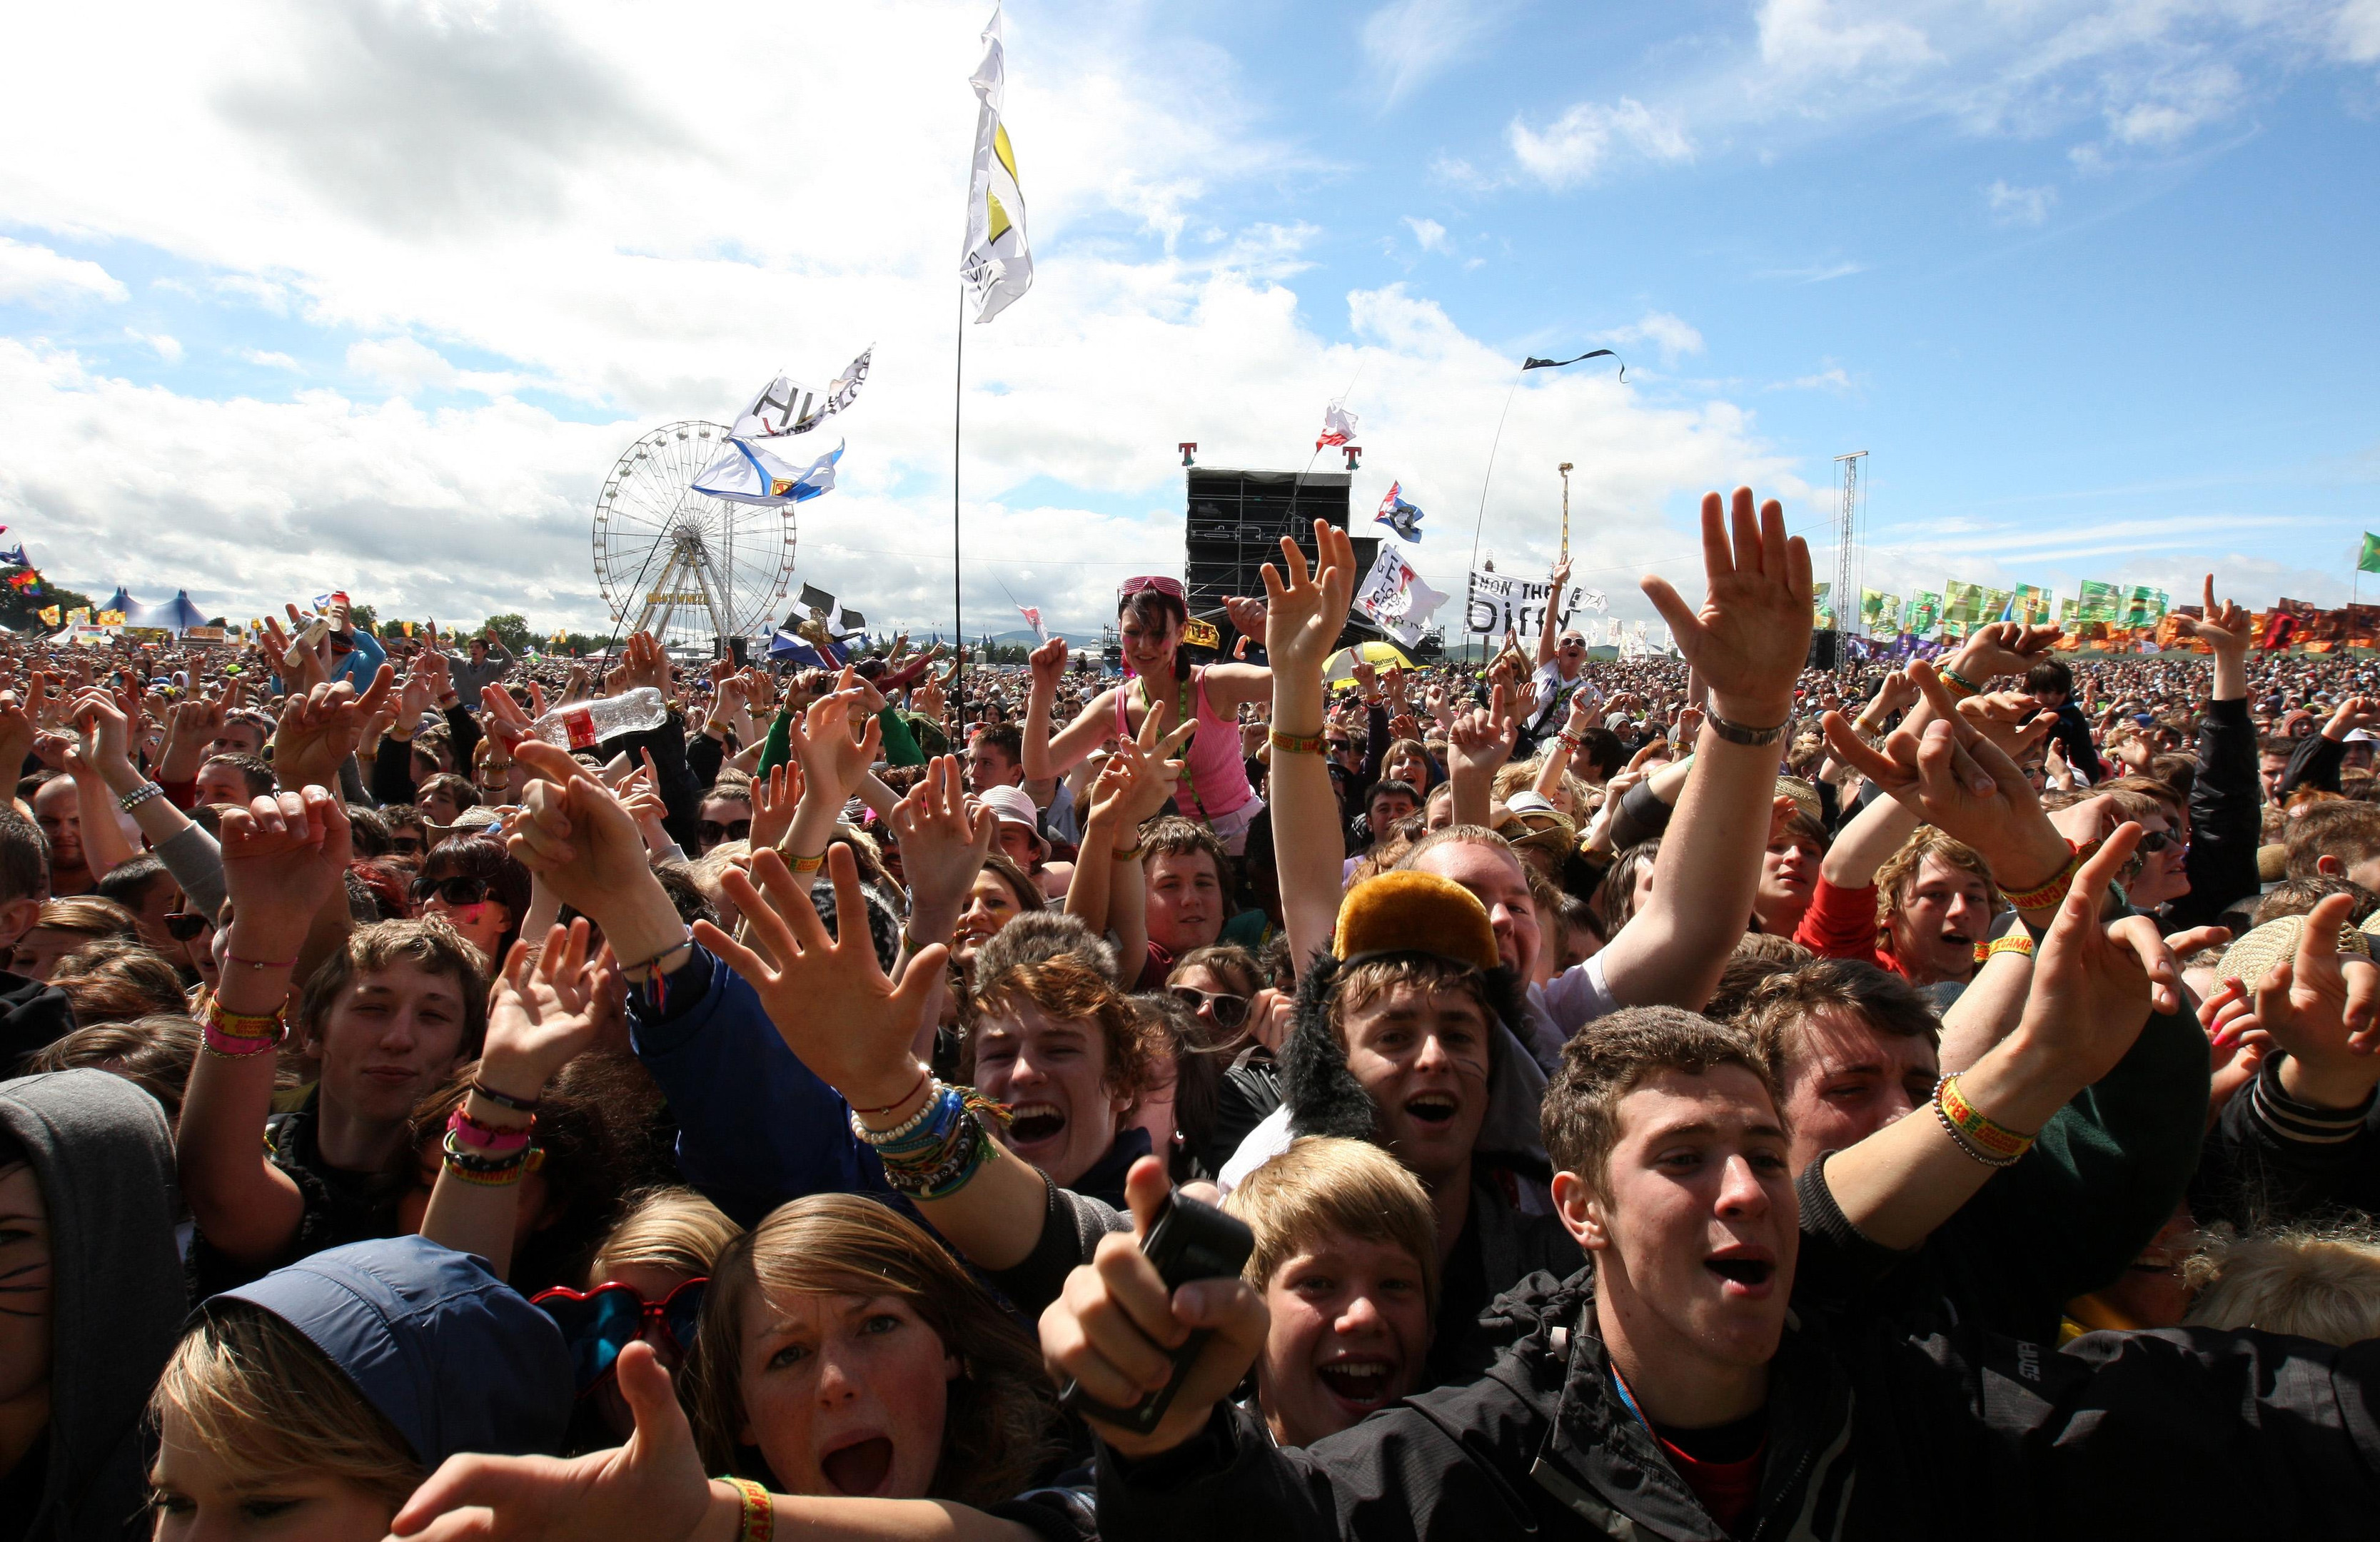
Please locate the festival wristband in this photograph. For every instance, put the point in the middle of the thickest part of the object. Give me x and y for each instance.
(2048, 896)
(806, 864)
(492, 1139)
(1982, 1137)
(756, 1519)
(1958, 683)
(2015, 942)
(1295, 744)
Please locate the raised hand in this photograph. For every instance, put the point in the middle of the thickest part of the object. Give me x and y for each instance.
(2090, 992)
(1368, 678)
(943, 842)
(1481, 740)
(581, 840)
(2227, 628)
(283, 857)
(507, 725)
(1953, 776)
(1304, 614)
(2356, 711)
(1049, 662)
(1750, 636)
(2323, 1007)
(1247, 615)
(541, 1014)
(1111, 1327)
(320, 730)
(833, 758)
(2008, 718)
(1140, 775)
(2003, 647)
(774, 798)
(828, 996)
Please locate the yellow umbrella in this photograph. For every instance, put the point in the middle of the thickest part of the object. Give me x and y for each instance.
(1341, 665)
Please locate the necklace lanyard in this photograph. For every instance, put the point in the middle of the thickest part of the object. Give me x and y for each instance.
(1182, 712)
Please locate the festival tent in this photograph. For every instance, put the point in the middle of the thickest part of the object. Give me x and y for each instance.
(177, 615)
(119, 600)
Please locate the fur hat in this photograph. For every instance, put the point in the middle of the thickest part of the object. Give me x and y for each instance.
(884, 925)
(1402, 914)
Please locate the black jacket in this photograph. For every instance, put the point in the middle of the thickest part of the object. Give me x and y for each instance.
(2314, 763)
(2271, 1160)
(2073, 736)
(1878, 1429)
(2225, 819)
(32, 1017)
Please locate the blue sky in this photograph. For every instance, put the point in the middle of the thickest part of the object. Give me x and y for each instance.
(2090, 281)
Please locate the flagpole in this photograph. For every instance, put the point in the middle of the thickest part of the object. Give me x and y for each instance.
(958, 592)
(1484, 478)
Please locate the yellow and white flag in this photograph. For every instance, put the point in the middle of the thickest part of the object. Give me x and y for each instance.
(996, 265)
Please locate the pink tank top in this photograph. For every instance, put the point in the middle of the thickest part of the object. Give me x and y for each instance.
(1215, 781)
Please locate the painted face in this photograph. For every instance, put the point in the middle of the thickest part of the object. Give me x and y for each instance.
(25, 1309)
(1945, 912)
(1350, 1330)
(1053, 1073)
(391, 1037)
(199, 1496)
(1422, 1055)
(843, 1394)
(1844, 1081)
(482, 925)
(1495, 878)
(1186, 901)
(1695, 1238)
(991, 904)
(1148, 643)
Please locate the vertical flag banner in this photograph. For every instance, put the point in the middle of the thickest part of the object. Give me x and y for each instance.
(2366, 561)
(1963, 609)
(996, 265)
(1924, 612)
(2099, 601)
(2030, 604)
(1822, 607)
(2144, 606)
(1995, 604)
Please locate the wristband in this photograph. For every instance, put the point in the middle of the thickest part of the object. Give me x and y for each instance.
(685, 941)
(1129, 854)
(806, 864)
(1295, 744)
(140, 795)
(2048, 894)
(503, 1100)
(757, 1519)
(257, 962)
(922, 1076)
(1984, 1138)
(493, 1139)
(1958, 682)
(2017, 941)
(1737, 733)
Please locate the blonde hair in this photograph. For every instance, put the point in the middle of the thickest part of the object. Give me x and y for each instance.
(1898, 873)
(665, 1227)
(1323, 1184)
(1002, 1421)
(256, 1395)
(2321, 1283)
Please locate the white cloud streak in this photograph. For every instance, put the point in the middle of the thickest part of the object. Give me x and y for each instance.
(31, 274)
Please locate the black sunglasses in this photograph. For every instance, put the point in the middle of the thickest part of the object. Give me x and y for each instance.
(459, 890)
(183, 925)
(1230, 1012)
(2158, 840)
(711, 831)
(406, 845)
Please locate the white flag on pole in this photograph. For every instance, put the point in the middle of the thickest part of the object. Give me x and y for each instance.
(996, 265)
(1395, 599)
(750, 473)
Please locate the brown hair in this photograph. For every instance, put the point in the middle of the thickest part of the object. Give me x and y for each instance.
(2298, 896)
(1002, 1421)
(1071, 988)
(1323, 1184)
(1172, 836)
(1614, 1055)
(1758, 956)
(1020, 883)
(429, 942)
(1883, 1001)
(458, 788)
(255, 1394)
(89, 914)
(153, 1053)
(2350, 831)
(1898, 873)
(112, 980)
(1359, 985)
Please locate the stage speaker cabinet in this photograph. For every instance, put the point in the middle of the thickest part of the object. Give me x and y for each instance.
(1826, 649)
(739, 649)
(1233, 525)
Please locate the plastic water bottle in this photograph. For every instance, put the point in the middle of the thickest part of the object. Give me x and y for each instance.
(587, 723)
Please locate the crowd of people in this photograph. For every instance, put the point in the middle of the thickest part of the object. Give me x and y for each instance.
(1682, 1097)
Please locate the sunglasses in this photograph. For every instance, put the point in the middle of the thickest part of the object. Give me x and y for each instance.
(2159, 840)
(1161, 584)
(713, 831)
(183, 925)
(1229, 1011)
(600, 1323)
(457, 891)
(406, 845)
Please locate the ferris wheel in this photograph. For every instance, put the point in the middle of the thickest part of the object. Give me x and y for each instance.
(685, 566)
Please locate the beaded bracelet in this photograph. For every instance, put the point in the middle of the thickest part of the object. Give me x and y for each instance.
(1295, 744)
(501, 1175)
(757, 1518)
(939, 1102)
(458, 1154)
(482, 1136)
(1980, 1136)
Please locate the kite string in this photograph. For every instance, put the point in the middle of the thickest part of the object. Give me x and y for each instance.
(1488, 476)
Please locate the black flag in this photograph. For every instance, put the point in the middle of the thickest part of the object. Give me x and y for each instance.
(1558, 363)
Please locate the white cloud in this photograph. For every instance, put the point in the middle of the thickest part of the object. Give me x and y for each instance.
(2357, 34)
(1833, 380)
(1577, 145)
(1429, 234)
(36, 275)
(1408, 42)
(1672, 337)
(1814, 273)
(271, 360)
(168, 349)
(2013, 205)
(1831, 37)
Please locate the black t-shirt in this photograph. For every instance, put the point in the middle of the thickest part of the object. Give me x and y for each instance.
(340, 1206)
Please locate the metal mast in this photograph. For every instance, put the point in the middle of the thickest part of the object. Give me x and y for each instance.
(1847, 594)
(1565, 544)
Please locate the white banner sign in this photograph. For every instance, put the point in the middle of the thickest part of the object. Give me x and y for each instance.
(1395, 599)
(1499, 602)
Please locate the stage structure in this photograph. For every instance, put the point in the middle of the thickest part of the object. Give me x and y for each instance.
(1233, 526)
(1851, 519)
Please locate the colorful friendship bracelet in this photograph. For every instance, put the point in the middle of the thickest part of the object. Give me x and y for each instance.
(511, 1171)
(493, 1139)
(757, 1518)
(1982, 1137)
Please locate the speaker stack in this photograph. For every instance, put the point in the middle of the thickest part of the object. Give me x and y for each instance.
(1234, 526)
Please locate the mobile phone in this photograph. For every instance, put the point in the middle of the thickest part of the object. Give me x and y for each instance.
(1189, 1241)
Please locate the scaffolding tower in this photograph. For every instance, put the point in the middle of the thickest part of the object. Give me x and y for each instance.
(1847, 593)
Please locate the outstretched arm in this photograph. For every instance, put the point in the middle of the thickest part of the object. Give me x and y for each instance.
(1303, 616)
(1747, 643)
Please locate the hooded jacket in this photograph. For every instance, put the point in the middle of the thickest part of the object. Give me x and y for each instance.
(1877, 1428)
(106, 1162)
